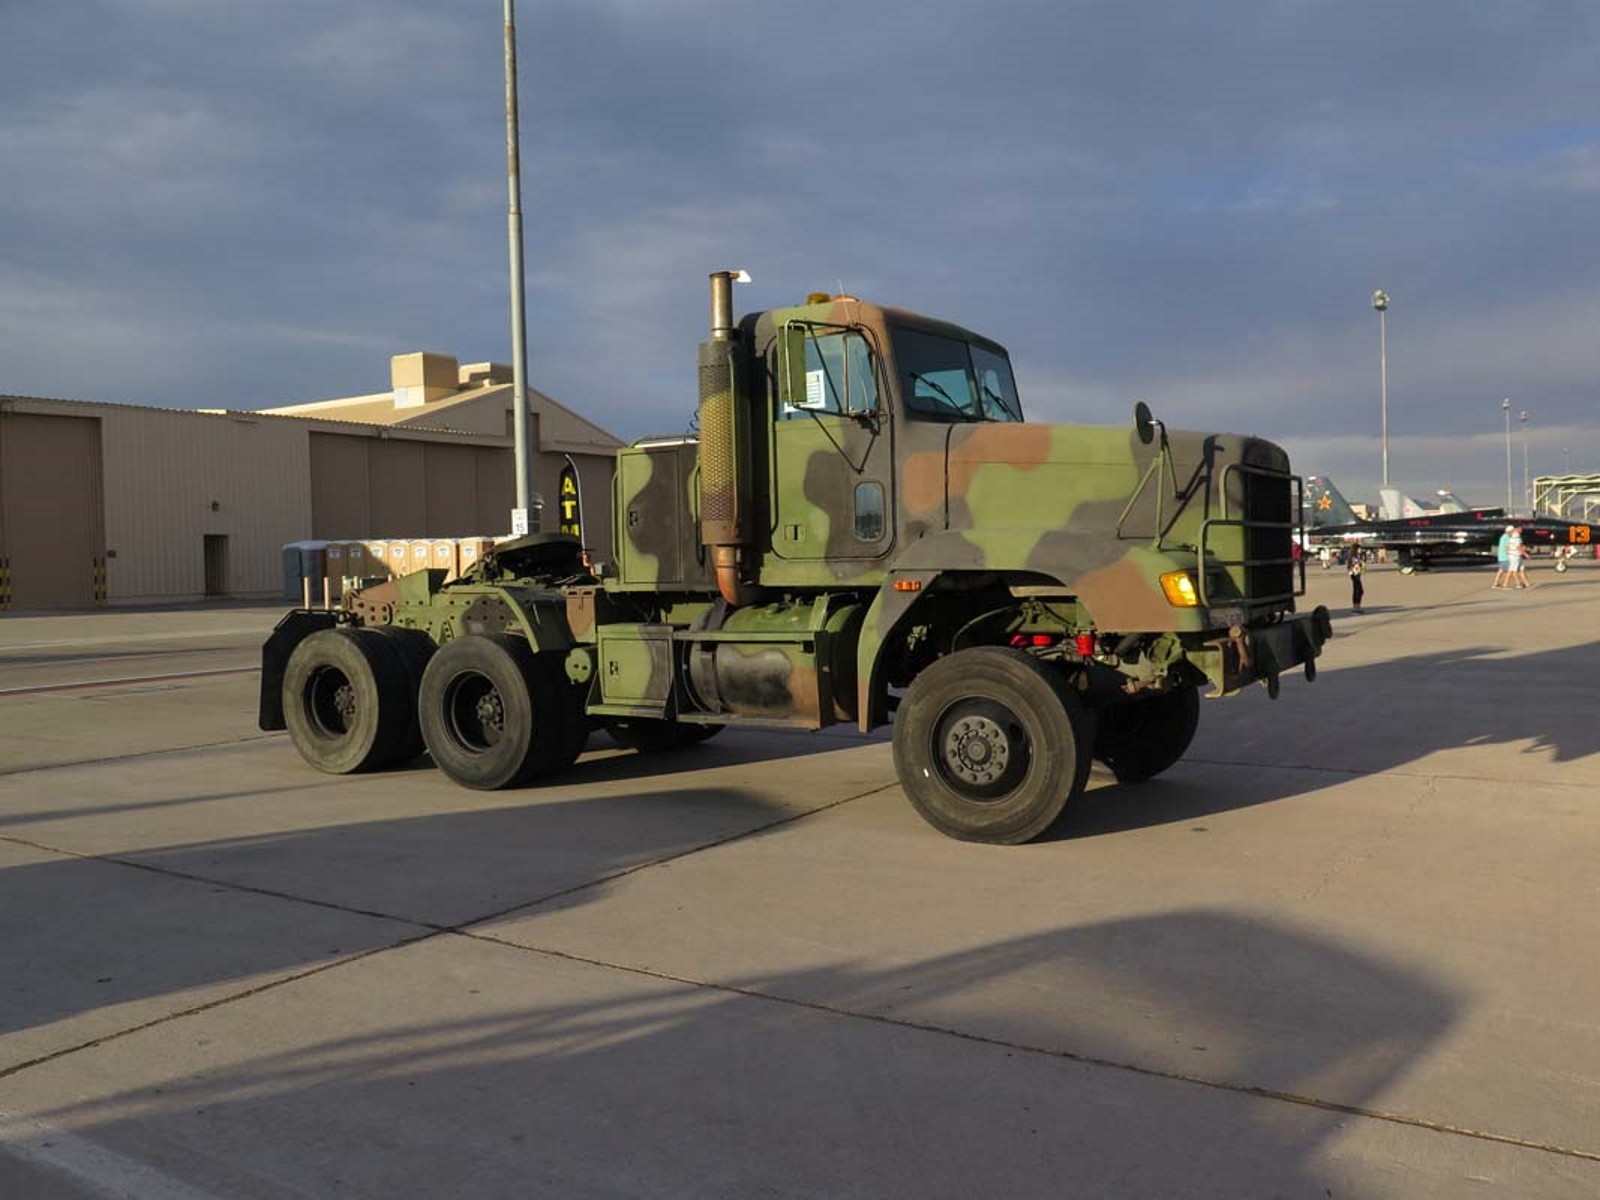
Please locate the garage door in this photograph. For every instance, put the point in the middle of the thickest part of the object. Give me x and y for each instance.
(52, 527)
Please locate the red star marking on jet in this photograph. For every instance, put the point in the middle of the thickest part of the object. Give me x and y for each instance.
(1324, 502)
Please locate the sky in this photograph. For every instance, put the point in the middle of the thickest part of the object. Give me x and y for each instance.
(206, 203)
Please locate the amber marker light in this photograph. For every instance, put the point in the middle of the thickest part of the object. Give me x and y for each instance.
(908, 585)
(1178, 587)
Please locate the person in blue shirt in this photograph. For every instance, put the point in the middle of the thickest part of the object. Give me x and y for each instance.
(1502, 558)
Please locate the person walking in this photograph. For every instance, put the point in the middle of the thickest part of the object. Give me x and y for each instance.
(1502, 557)
(1357, 589)
(1517, 560)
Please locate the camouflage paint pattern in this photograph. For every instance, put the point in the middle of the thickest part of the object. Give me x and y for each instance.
(988, 528)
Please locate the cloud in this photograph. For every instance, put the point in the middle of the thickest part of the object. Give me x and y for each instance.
(1189, 204)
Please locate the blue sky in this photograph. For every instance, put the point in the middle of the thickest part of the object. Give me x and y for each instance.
(210, 203)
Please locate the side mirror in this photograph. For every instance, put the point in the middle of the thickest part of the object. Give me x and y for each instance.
(1143, 423)
(792, 366)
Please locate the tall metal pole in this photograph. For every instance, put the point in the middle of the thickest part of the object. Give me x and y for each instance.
(525, 429)
(1380, 301)
(1505, 406)
(1527, 487)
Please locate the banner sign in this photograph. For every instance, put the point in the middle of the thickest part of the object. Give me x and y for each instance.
(570, 501)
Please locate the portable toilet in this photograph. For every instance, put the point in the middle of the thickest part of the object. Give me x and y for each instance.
(470, 549)
(292, 574)
(398, 553)
(376, 558)
(421, 555)
(313, 570)
(442, 556)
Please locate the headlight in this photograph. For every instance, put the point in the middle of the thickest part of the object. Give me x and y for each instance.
(1178, 587)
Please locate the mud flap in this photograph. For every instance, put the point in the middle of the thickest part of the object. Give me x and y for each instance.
(297, 625)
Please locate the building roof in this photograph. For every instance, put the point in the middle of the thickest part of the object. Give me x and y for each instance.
(482, 405)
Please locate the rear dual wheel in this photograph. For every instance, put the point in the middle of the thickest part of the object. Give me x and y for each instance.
(495, 714)
(347, 701)
(991, 745)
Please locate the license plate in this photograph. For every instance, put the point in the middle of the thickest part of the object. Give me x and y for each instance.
(1227, 616)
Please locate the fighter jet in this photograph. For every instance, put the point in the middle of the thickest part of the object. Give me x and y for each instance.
(1419, 542)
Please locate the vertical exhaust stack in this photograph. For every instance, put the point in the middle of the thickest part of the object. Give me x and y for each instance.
(725, 450)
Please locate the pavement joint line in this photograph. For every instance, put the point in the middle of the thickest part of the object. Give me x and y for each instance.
(124, 681)
(1429, 777)
(464, 930)
(1091, 1060)
(429, 930)
(122, 758)
(465, 926)
(216, 1002)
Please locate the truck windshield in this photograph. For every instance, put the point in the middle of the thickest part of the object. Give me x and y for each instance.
(947, 379)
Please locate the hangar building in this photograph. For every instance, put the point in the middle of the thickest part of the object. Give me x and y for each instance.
(106, 503)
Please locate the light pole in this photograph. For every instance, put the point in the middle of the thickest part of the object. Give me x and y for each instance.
(525, 517)
(1505, 407)
(1380, 301)
(1527, 487)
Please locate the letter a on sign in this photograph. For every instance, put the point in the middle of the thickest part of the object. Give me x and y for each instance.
(570, 501)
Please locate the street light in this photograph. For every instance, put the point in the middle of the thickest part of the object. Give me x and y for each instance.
(1380, 301)
(1505, 407)
(1527, 487)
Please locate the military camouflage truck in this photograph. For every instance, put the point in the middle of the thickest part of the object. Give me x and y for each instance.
(865, 528)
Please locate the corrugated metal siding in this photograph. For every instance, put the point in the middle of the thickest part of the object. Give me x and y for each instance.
(171, 478)
(399, 494)
(341, 493)
(51, 541)
(450, 487)
(496, 477)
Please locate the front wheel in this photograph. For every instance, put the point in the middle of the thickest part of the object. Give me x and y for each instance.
(991, 745)
(1141, 739)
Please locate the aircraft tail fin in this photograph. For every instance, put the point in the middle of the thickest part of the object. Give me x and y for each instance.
(1325, 504)
(1396, 504)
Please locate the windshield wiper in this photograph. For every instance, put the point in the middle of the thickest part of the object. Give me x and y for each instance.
(1001, 402)
(956, 410)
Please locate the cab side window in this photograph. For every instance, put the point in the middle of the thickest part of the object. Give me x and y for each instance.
(839, 377)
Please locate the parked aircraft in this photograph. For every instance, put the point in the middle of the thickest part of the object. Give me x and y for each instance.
(1418, 542)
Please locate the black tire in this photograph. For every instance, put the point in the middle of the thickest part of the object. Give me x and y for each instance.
(1141, 739)
(415, 649)
(347, 701)
(991, 745)
(494, 714)
(650, 735)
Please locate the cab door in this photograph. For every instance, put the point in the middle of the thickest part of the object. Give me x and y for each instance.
(831, 457)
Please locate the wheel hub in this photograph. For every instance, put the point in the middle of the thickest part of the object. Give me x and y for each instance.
(977, 750)
(491, 713)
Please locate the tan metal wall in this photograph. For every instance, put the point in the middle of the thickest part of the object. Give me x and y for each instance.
(364, 487)
(52, 542)
(164, 480)
(172, 477)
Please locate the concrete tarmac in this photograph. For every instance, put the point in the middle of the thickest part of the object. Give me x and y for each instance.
(1347, 947)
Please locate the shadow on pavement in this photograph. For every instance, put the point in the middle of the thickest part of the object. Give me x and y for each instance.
(616, 1083)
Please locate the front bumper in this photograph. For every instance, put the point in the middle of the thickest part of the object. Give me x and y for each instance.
(1246, 655)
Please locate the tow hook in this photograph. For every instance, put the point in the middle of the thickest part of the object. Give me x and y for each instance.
(1241, 645)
